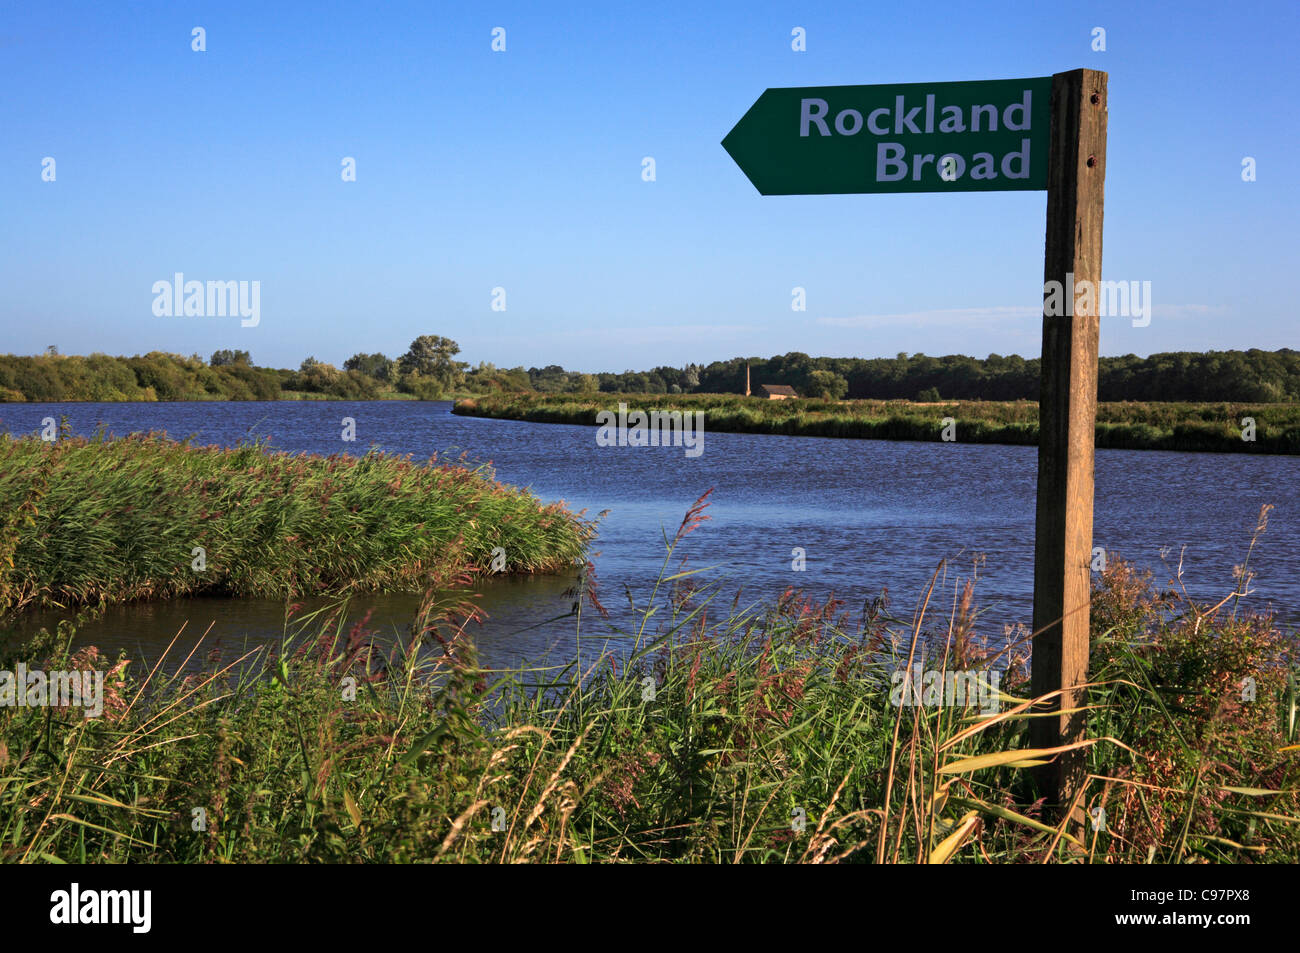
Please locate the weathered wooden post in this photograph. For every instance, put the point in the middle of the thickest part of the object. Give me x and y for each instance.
(988, 135)
(1067, 421)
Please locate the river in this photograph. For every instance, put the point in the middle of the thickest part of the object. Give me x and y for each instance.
(867, 515)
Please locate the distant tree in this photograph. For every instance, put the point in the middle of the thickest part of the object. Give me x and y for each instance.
(431, 358)
(318, 377)
(667, 376)
(929, 395)
(488, 377)
(52, 351)
(164, 374)
(827, 385)
(226, 358)
(551, 379)
(375, 366)
(428, 354)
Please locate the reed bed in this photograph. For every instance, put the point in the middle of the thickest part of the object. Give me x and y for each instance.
(1122, 426)
(91, 521)
(721, 733)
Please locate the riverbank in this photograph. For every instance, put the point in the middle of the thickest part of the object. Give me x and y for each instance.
(1120, 426)
(772, 733)
(89, 521)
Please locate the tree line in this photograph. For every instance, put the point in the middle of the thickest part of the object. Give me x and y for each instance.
(429, 370)
(1240, 376)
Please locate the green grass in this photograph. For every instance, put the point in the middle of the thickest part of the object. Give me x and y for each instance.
(761, 717)
(89, 521)
(1127, 426)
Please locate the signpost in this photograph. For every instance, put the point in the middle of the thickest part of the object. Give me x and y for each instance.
(996, 135)
(918, 137)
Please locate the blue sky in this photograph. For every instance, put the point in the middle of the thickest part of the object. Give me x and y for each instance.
(522, 170)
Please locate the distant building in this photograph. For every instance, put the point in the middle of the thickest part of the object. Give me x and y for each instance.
(779, 391)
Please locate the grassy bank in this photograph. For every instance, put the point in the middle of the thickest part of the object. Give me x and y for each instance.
(1124, 426)
(90, 521)
(730, 734)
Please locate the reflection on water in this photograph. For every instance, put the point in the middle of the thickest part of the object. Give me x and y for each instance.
(529, 620)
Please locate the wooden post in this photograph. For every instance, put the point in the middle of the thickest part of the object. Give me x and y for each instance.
(1067, 421)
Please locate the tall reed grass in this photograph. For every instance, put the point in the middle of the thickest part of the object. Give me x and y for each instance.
(720, 732)
(90, 521)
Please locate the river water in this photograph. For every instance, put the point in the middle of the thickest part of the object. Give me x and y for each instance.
(867, 515)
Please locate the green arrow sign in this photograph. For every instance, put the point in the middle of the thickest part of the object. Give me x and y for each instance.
(984, 136)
